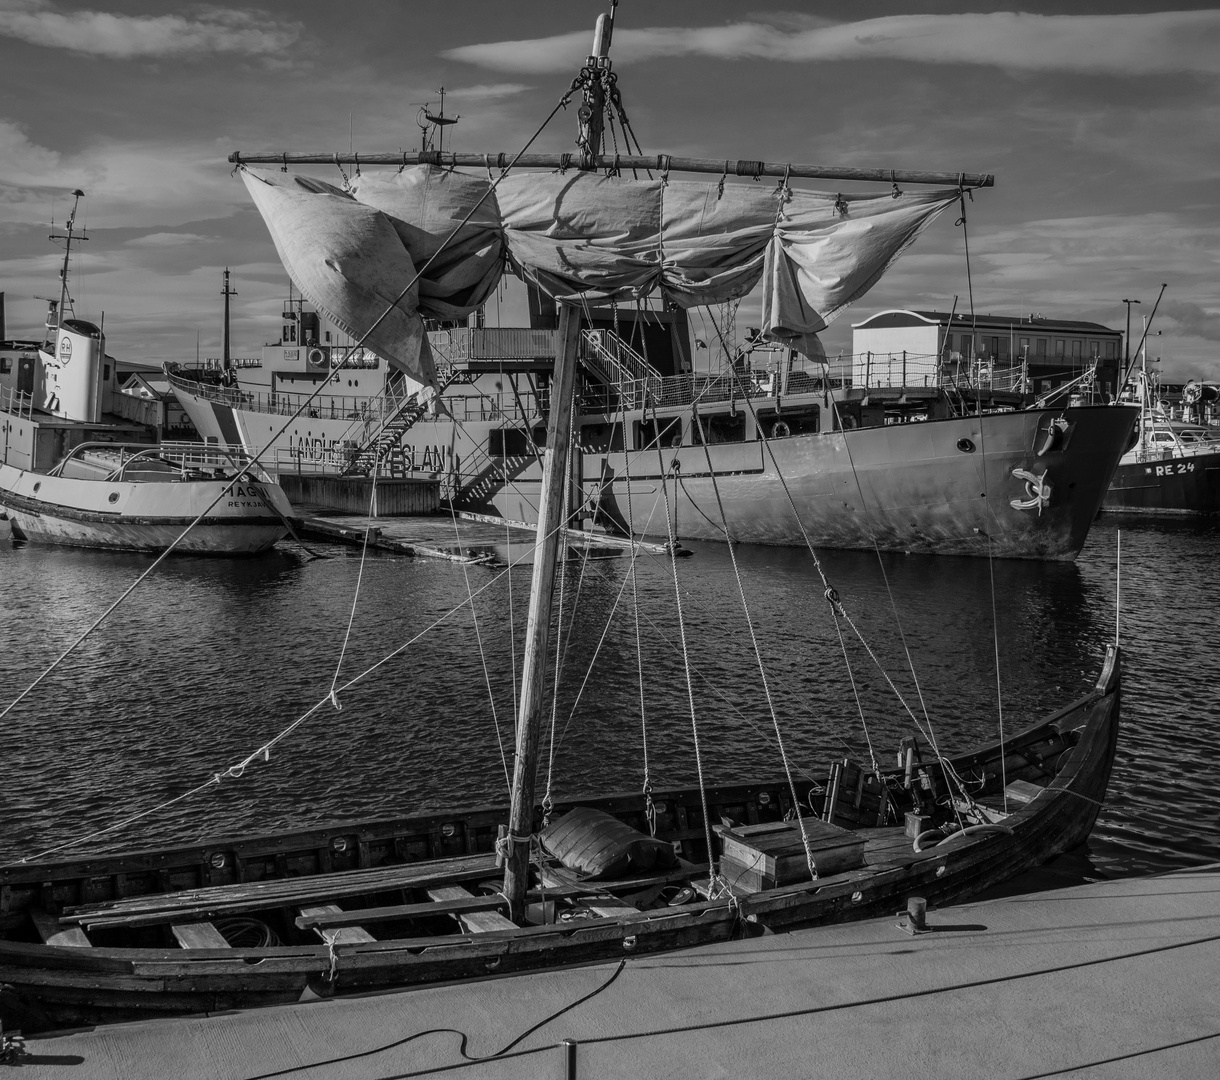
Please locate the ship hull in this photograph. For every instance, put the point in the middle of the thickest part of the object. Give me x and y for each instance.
(143, 516)
(1173, 484)
(975, 485)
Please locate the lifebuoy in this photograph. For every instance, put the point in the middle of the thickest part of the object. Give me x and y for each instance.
(780, 430)
(317, 357)
(846, 422)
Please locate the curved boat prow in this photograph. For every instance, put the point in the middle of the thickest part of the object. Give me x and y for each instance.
(1111, 671)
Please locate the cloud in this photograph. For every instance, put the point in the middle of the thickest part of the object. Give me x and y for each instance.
(167, 240)
(487, 90)
(126, 37)
(1144, 44)
(1192, 319)
(127, 184)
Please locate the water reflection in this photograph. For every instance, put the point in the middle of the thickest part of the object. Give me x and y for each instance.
(210, 658)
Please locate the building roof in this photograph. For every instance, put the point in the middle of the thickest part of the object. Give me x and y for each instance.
(1027, 323)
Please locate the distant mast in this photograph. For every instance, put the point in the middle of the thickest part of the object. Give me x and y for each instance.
(226, 292)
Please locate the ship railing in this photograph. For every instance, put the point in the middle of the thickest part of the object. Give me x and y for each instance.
(16, 403)
(361, 409)
(462, 344)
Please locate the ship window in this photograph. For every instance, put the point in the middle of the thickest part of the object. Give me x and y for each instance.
(105, 373)
(6, 365)
(507, 442)
(720, 428)
(669, 432)
(806, 421)
(601, 438)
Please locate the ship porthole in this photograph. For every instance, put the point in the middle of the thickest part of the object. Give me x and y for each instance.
(113, 497)
(966, 446)
(37, 486)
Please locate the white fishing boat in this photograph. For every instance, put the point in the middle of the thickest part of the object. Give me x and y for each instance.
(69, 476)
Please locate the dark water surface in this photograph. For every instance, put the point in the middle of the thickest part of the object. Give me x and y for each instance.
(209, 659)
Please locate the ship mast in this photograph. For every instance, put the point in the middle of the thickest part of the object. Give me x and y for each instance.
(551, 528)
(63, 273)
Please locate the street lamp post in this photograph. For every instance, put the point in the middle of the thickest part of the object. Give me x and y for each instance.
(1127, 339)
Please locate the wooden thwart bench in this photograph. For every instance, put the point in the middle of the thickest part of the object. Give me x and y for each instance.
(345, 935)
(198, 935)
(52, 933)
(473, 922)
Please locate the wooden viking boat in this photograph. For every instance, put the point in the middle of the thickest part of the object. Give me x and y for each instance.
(369, 906)
(480, 893)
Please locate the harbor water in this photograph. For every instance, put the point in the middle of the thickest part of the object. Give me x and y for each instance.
(210, 659)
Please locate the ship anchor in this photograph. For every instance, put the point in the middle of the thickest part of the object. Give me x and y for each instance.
(1037, 488)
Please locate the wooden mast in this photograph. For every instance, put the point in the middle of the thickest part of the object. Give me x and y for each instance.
(538, 627)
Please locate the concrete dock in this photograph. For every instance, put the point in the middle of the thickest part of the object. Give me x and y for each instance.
(1106, 980)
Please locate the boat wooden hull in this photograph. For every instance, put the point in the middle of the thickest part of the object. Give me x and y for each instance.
(143, 516)
(127, 898)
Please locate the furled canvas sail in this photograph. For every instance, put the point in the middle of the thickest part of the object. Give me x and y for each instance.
(579, 236)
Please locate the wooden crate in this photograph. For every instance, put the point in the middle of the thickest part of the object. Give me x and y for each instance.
(763, 856)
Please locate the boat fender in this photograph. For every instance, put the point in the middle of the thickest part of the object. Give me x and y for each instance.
(780, 430)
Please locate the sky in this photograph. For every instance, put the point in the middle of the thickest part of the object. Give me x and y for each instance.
(1099, 121)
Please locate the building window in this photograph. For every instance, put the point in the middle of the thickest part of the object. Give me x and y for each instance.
(1076, 346)
(1094, 349)
(1040, 347)
(1110, 350)
(1023, 347)
(1060, 346)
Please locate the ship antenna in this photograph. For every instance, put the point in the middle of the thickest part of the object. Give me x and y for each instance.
(64, 299)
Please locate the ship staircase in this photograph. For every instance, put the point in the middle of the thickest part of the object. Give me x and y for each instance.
(398, 420)
(616, 365)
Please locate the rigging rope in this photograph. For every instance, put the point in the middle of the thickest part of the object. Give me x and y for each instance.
(690, 689)
(364, 551)
(762, 671)
(255, 459)
(235, 772)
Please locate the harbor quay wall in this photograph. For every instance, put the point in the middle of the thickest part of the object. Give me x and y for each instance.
(394, 497)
